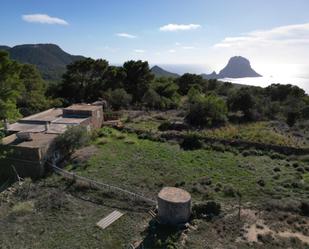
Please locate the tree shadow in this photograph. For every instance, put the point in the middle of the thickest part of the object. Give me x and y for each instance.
(159, 236)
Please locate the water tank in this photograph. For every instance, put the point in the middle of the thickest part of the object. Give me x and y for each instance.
(174, 206)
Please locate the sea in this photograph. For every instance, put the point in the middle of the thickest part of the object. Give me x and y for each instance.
(266, 81)
(293, 74)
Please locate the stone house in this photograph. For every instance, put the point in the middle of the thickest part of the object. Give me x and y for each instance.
(30, 143)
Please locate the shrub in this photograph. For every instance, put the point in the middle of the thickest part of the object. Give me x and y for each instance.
(165, 126)
(229, 191)
(118, 98)
(74, 138)
(120, 136)
(210, 208)
(177, 126)
(286, 205)
(261, 182)
(218, 147)
(207, 111)
(127, 141)
(152, 100)
(291, 118)
(304, 207)
(191, 142)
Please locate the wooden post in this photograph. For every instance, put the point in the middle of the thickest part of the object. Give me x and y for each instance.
(239, 206)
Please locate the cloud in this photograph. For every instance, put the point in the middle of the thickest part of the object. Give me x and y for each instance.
(126, 35)
(284, 35)
(139, 51)
(44, 19)
(179, 27)
(188, 47)
(172, 51)
(268, 50)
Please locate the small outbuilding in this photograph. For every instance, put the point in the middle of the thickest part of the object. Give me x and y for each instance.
(174, 206)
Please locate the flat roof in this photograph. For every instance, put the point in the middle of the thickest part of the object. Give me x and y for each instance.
(46, 116)
(38, 140)
(83, 107)
(57, 128)
(16, 127)
(67, 120)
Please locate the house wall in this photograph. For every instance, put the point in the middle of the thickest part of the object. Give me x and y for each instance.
(28, 161)
(97, 118)
(33, 169)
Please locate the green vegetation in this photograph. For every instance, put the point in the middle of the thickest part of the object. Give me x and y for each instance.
(276, 133)
(133, 85)
(147, 166)
(72, 139)
(59, 214)
(207, 111)
(255, 132)
(22, 90)
(50, 59)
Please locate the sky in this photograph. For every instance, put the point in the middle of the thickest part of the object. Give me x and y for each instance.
(272, 34)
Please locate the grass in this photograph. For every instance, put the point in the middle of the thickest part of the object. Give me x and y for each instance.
(256, 132)
(23, 207)
(306, 178)
(146, 125)
(262, 132)
(145, 166)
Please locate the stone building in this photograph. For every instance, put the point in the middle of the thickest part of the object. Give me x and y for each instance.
(31, 140)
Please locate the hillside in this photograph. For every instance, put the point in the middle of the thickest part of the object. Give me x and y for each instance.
(53, 213)
(50, 59)
(160, 72)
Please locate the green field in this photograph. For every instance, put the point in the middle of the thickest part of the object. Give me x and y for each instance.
(142, 165)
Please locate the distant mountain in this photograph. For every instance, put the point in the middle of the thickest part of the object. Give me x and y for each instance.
(237, 67)
(160, 72)
(50, 59)
(213, 75)
(4, 48)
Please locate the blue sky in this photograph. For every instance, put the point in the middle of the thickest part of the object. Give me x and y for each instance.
(199, 32)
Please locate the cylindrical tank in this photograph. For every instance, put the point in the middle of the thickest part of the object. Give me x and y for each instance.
(174, 206)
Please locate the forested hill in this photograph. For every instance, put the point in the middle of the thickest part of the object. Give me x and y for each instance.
(50, 59)
(160, 72)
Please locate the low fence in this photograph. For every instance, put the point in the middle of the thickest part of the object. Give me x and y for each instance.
(98, 185)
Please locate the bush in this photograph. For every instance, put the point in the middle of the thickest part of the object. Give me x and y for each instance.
(207, 111)
(74, 138)
(229, 191)
(118, 98)
(191, 142)
(165, 126)
(152, 100)
(291, 118)
(304, 207)
(210, 208)
(176, 126)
